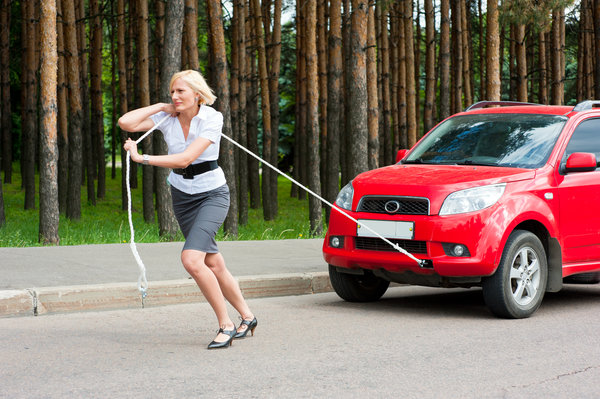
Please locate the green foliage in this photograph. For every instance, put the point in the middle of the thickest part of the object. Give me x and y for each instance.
(106, 223)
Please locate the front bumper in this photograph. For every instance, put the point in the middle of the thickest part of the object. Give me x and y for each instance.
(480, 232)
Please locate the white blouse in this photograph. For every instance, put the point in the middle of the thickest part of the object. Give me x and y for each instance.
(208, 123)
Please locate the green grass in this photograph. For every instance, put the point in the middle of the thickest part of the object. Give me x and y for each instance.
(106, 223)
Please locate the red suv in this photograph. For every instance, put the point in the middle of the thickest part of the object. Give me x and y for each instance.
(506, 198)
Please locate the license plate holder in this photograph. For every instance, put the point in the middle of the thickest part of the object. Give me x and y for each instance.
(386, 228)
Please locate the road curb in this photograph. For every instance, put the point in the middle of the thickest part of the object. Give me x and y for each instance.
(81, 298)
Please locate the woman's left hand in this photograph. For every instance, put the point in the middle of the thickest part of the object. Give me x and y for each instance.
(131, 147)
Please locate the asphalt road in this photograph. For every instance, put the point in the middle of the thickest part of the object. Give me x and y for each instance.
(414, 343)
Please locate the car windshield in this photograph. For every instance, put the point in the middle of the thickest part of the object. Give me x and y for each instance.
(510, 140)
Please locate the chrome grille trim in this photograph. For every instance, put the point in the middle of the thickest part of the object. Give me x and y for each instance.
(408, 205)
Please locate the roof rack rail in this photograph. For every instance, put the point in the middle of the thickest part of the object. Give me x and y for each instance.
(484, 104)
(586, 105)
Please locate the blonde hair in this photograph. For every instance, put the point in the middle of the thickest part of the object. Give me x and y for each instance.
(197, 83)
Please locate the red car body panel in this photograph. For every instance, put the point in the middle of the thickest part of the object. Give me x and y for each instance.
(566, 205)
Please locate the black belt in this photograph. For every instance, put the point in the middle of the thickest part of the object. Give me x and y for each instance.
(197, 169)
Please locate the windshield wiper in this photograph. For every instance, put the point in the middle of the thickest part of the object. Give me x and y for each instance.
(469, 162)
(414, 161)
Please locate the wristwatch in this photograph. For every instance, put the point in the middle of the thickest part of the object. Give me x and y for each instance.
(146, 160)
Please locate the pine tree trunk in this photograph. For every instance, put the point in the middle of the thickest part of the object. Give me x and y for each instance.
(243, 169)
(430, 79)
(346, 57)
(466, 50)
(190, 32)
(123, 105)
(521, 53)
(445, 60)
(144, 100)
(492, 66)
(398, 15)
(115, 140)
(543, 67)
(170, 64)
(334, 100)
(588, 68)
(372, 101)
(301, 127)
(252, 114)
(238, 96)
(322, 12)
(274, 66)
(222, 91)
(312, 69)
(456, 87)
(411, 114)
(90, 155)
(97, 121)
(63, 115)
(29, 124)
(268, 210)
(596, 6)
(49, 213)
(417, 66)
(75, 112)
(5, 110)
(482, 85)
(394, 78)
(357, 91)
(385, 137)
(557, 92)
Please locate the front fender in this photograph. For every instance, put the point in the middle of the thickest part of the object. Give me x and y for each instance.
(525, 208)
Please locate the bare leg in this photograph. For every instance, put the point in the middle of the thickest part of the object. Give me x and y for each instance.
(194, 262)
(229, 286)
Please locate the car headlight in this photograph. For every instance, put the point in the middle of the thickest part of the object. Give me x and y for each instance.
(344, 198)
(472, 199)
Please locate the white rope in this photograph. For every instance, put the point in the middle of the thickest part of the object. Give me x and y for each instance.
(395, 246)
(142, 281)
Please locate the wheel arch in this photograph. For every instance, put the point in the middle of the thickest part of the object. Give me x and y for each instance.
(553, 252)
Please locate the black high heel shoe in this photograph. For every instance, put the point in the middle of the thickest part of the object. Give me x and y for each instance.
(251, 325)
(226, 343)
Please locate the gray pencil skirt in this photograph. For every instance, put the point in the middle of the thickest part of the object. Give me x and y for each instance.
(200, 216)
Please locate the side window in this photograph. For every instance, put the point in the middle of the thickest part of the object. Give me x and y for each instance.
(586, 138)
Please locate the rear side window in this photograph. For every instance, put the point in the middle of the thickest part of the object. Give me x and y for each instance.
(586, 138)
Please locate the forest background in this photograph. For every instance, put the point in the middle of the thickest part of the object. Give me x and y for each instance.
(334, 90)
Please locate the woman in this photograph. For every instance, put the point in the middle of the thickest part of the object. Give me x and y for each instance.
(199, 191)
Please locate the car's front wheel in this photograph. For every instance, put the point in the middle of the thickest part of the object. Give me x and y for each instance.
(517, 288)
(357, 288)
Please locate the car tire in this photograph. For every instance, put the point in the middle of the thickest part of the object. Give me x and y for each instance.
(357, 288)
(583, 278)
(517, 287)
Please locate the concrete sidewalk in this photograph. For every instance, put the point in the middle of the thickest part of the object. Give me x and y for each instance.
(42, 280)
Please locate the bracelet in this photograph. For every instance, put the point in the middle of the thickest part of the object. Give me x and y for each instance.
(146, 159)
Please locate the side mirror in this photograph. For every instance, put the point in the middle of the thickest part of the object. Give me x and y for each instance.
(581, 162)
(400, 155)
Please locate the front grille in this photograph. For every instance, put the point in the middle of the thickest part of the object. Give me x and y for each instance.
(404, 205)
(377, 244)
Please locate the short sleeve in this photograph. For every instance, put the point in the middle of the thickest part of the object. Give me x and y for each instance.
(158, 117)
(212, 127)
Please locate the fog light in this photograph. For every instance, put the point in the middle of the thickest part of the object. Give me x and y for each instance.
(336, 242)
(459, 250)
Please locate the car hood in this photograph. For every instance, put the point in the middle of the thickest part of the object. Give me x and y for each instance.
(434, 182)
